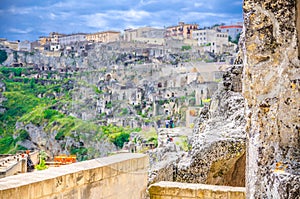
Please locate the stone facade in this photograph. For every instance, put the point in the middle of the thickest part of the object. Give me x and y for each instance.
(271, 87)
(214, 38)
(104, 37)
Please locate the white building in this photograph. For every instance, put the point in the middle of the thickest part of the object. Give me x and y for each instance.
(214, 41)
(24, 46)
(71, 39)
(232, 30)
(145, 34)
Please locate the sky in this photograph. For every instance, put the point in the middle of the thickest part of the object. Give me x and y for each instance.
(29, 19)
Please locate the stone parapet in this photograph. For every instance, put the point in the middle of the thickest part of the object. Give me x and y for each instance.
(118, 176)
(175, 190)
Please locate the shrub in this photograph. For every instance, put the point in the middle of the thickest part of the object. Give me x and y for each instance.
(5, 144)
(49, 113)
(183, 48)
(24, 135)
(119, 138)
(3, 56)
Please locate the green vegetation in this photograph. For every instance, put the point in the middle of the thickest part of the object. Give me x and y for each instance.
(118, 135)
(108, 105)
(235, 40)
(183, 143)
(3, 56)
(42, 165)
(124, 111)
(206, 100)
(23, 102)
(184, 48)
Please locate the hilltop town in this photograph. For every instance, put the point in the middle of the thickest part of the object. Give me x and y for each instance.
(188, 115)
(75, 88)
(145, 78)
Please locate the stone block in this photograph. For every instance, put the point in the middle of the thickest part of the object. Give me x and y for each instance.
(114, 169)
(219, 195)
(70, 194)
(157, 190)
(142, 163)
(236, 195)
(24, 192)
(79, 178)
(71, 180)
(89, 176)
(124, 166)
(160, 197)
(95, 190)
(134, 165)
(35, 190)
(59, 184)
(48, 186)
(187, 192)
(204, 194)
(98, 173)
(106, 172)
(9, 193)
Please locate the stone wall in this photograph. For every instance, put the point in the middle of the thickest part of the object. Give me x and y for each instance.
(271, 87)
(175, 190)
(118, 176)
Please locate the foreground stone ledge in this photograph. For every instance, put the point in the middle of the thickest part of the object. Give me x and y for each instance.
(118, 176)
(176, 190)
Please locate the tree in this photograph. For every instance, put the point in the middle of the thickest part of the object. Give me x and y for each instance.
(3, 56)
(237, 38)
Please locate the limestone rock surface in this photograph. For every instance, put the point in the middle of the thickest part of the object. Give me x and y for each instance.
(218, 143)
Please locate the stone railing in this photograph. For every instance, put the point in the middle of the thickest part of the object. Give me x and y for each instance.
(15, 164)
(175, 190)
(119, 176)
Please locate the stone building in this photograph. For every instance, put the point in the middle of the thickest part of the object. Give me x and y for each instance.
(43, 40)
(181, 31)
(72, 38)
(271, 87)
(13, 45)
(24, 46)
(54, 37)
(103, 37)
(146, 35)
(232, 30)
(214, 40)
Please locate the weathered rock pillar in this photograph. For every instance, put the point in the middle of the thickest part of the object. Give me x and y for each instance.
(271, 86)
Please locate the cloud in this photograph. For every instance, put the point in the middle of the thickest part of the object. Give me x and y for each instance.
(117, 17)
(20, 31)
(98, 20)
(30, 18)
(237, 3)
(198, 5)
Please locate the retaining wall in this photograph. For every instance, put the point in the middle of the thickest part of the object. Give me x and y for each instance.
(119, 176)
(175, 190)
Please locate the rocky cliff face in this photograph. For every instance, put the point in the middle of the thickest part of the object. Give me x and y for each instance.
(218, 146)
(47, 142)
(272, 91)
